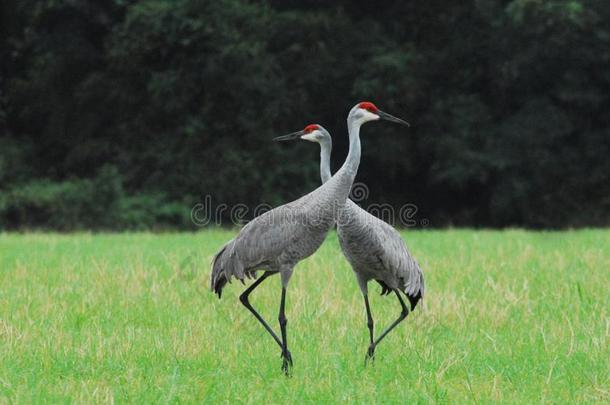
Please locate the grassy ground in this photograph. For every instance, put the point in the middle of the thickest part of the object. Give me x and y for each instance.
(512, 316)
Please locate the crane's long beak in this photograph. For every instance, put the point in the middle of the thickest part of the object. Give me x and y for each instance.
(391, 118)
(290, 137)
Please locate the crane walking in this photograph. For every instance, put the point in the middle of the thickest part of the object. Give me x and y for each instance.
(374, 249)
(278, 239)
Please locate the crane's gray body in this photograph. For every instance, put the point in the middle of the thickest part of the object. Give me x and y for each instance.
(374, 249)
(280, 238)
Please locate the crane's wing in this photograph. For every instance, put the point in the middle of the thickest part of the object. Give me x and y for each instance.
(395, 257)
(267, 236)
(257, 245)
(280, 236)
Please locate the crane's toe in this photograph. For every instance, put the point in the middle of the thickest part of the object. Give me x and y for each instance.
(286, 362)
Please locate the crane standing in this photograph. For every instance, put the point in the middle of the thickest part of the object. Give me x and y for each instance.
(374, 249)
(277, 240)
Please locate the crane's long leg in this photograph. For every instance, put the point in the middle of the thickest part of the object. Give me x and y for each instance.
(370, 324)
(286, 356)
(401, 317)
(403, 314)
(244, 300)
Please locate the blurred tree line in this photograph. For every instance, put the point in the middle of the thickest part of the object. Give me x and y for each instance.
(122, 114)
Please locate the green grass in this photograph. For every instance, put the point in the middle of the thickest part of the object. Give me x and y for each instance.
(512, 316)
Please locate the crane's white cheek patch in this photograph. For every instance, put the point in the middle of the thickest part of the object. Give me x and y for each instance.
(369, 116)
(311, 137)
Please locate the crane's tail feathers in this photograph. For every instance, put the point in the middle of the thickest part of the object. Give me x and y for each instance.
(225, 265)
(414, 299)
(219, 279)
(415, 292)
(219, 285)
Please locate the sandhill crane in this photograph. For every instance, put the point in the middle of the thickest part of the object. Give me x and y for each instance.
(277, 240)
(374, 249)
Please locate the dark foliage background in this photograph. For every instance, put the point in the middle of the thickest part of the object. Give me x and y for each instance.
(118, 114)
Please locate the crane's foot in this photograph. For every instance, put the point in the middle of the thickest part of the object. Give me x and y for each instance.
(370, 355)
(286, 362)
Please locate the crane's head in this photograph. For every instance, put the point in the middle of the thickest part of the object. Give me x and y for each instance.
(312, 133)
(366, 111)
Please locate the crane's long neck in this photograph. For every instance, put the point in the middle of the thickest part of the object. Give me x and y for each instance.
(335, 191)
(344, 178)
(350, 167)
(325, 150)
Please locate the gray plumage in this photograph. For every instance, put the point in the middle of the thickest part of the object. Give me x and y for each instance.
(278, 239)
(376, 251)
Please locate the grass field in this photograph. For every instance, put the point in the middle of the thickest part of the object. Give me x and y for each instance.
(512, 316)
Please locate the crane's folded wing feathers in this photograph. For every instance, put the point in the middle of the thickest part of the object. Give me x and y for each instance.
(257, 245)
(396, 257)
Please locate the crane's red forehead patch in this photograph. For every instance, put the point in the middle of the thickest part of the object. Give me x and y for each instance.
(310, 128)
(367, 105)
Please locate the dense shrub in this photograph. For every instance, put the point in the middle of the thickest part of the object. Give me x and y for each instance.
(153, 212)
(66, 205)
(99, 203)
